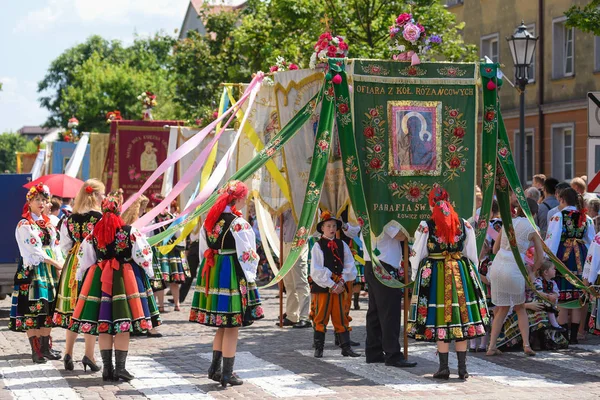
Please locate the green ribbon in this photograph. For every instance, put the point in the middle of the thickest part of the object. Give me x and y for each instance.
(272, 148)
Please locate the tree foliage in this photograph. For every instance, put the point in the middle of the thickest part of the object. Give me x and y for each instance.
(586, 19)
(10, 143)
(98, 76)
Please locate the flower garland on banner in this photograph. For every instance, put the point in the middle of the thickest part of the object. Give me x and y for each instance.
(328, 46)
(71, 135)
(113, 116)
(280, 66)
(409, 39)
(148, 100)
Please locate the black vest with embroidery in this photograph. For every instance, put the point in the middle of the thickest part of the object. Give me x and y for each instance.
(120, 248)
(329, 261)
(221, 238)
(80, 226)
(436, 245)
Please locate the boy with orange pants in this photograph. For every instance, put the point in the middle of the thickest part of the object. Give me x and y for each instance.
(332, 265)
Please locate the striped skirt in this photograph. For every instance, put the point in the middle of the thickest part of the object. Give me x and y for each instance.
(174, 266)
(231, 301)
(67, 290)
(448, 302)
(576, 252)
(33, 303)
(130, 307)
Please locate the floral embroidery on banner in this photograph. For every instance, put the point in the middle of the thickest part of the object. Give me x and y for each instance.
(412, 70)
(488, 175)
(413, 191)
(343, 111)
(300, 237)
(374, 69)
(351, 170)
(313, 194)
(454, 131)
(451, 71)
(375, 136)
(489, 118)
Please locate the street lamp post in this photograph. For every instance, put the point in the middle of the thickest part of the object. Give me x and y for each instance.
(522, 48)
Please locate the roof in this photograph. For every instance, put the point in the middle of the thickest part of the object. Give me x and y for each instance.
(216, 6)
(34, 130)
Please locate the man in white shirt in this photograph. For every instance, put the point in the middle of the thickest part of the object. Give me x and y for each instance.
(385, 303)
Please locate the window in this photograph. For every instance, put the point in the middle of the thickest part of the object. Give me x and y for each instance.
(489, 47)
(563, 143)
(597, 53)
(529, 153)
(450, 3)
(563, 49)
(531, 69)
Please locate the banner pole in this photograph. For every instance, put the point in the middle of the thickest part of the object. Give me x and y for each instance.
(280, 265)
(406, 299)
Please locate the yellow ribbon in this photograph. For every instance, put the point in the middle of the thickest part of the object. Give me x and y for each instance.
(73, 284)
(570, 245)
(451, 271)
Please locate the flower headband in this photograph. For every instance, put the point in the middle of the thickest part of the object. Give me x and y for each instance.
(437, 194)
(230, 187)
(40, 188)
(111, 204)
(89, 189)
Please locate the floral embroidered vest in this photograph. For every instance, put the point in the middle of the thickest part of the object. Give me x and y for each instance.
(120, 248)
(569, 228)
(435, 245)
(221, 238)
(80, 226)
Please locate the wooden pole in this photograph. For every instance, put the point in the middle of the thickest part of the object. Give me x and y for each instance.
(406, 299)
(280, 266)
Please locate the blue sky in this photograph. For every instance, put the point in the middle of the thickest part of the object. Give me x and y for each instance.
(35, 32)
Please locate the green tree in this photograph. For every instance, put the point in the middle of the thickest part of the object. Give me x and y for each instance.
(586, 19)
(10, 143)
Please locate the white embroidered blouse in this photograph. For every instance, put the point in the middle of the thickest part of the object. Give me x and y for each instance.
(321, 275)
(29, 240)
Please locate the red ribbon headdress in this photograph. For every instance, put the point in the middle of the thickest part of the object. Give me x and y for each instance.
(444, 217)
(106, 228)
(40, 189)
(231, 191)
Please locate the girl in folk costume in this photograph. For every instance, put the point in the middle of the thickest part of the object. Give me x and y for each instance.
(173, 265)
(34, 295)
(226, 296)
(73, 231)
(591, 276)
(114, 295)
(570, 233)
(448, 303)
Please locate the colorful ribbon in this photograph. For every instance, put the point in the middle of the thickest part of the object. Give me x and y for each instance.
(209, 262)
(73, 284)
(570, 245)
(452, 272)
(408, 56)
(108, 267)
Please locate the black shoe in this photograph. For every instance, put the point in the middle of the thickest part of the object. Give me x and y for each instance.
(462, 365)
(401, 363)
(36, 350)
(566, 332)
(302, 324)
(444, 372)
(228, 377)
(214, 371)
(354, 344)
(89, 363)
(318, 343)
(286, 322)
(68, 362)
(573, 336)
(345, 345)
(47, 352)
(558, 329)
(107, 365)
(156, 334)
(356, 302)
(379, 359)
(473, 350)
(120, 371)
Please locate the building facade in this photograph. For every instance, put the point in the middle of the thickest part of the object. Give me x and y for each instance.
(566, 68)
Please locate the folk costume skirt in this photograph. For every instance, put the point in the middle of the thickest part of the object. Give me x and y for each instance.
(223, 297)
(34, 296)
(128, 305)
(68, 291)
(594, 322)
(448, 302)
(173, 266)
(572, 252)
(157, 282)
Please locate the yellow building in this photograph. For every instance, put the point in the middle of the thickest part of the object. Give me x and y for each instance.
(566, 67)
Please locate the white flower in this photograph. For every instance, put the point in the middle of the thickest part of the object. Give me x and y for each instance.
(322, 54)
(401, 47)
(335, 41)
(313, 61)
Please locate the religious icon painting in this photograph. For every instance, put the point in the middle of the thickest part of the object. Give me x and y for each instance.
(415, 137)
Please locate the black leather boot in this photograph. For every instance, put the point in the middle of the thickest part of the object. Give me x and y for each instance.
(108, 370)
(352, 343)
(228, 377)
(120, 371)
(356, 304)
(443, 372)
(462, 364)
(319, 343)
(36, 350)
(574, 331)
(566, 332)
(345, 345)
(47, 349)
(214, 371)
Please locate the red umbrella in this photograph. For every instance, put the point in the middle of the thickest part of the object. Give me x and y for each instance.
(60, 185)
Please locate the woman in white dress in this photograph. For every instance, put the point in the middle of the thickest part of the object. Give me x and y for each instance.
(508, 283)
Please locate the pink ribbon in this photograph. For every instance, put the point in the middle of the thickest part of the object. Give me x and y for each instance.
(190, 145)
(408, 56)
(190, 174)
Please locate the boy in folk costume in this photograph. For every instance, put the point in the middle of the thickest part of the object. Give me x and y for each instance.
(332, 265)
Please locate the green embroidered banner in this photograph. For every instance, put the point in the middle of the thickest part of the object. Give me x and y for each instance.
(251, 167)
(414, 126)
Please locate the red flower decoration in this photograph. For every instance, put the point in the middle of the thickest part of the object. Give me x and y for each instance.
(89, 189)
(375, 163)
(369, 132)
(454, 162)
(377, 148)
(373, 112)
(452, 148)
(414, 192)
(343, 108)
(490, 115)
(459, 132)
(412, 71)
(453, 113)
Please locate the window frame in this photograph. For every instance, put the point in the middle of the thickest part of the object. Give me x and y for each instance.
(563, 127)
(528, 132)
(488, 38)
(596, 53)
(561, 21)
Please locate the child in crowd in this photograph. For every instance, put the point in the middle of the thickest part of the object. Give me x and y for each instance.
(547, 288)
(331, 266)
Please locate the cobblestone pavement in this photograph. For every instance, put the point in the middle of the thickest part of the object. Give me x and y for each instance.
(278, 363)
